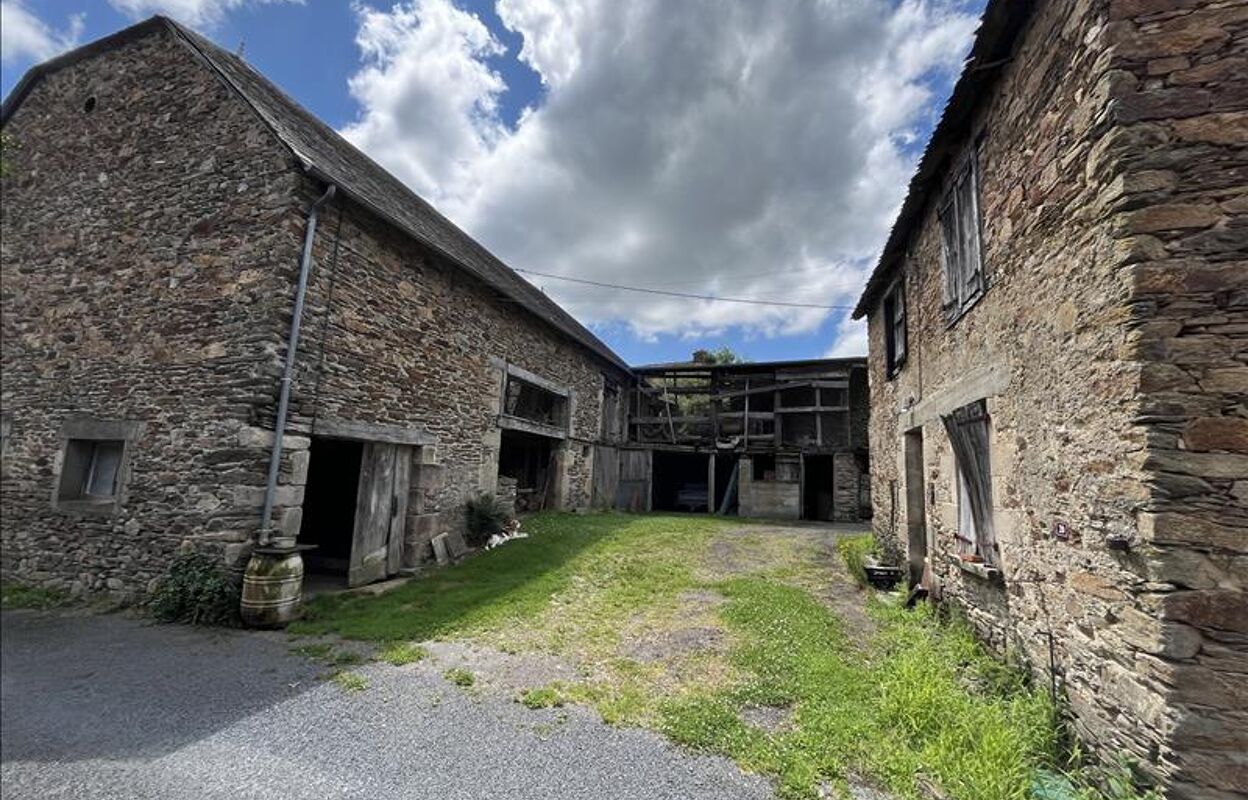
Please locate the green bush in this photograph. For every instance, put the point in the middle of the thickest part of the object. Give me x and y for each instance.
(855, 550)
(486, 517)
(196, 591)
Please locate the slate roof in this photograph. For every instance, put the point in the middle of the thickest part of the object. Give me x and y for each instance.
(330, 158)
(994, 42)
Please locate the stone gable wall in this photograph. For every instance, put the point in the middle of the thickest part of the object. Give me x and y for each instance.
(1109, 346)
(148, 247)
(395, 336)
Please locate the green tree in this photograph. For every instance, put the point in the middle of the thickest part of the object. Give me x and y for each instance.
(720, 355)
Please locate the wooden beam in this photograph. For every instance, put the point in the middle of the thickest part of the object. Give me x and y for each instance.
(371, 432)
(810, 409)
(508, 422)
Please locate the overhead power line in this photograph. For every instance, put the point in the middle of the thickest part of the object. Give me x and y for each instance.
(687, 295)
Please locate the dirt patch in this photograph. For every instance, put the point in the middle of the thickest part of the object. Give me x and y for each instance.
(808, 551)
(772, 719)
(697, 601)
(494, 669)
(844, 596)
(664, 645)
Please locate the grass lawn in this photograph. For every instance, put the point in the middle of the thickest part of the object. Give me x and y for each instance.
(737, 638)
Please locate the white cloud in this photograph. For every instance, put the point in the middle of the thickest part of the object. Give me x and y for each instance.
(746, 149)
(24, 36)
(851, 340)
(197, 13)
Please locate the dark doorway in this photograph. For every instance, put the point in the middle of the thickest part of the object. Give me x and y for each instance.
(528, 459)
(329, 504)
(916, 508)
(817, 494)
(680, 481)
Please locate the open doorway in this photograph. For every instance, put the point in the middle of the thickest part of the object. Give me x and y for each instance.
(529, 460)
(680, 482)
(329, 505)
(916, 508)
(355, 510)
(817, 488)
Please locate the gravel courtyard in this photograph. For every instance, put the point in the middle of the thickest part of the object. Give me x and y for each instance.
(107, 706)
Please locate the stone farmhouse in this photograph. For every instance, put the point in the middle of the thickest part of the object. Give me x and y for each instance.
(172, 222)
(1058, 334)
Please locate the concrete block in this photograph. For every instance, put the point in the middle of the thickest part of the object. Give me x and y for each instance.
(441, 549)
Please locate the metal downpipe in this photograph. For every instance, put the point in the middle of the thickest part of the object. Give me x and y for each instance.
(292, 348)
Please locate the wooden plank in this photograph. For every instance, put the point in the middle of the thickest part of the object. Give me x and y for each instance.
(606, 476)
(374, 504)
(663, 420)
(810, 409)
(508, 422)
(766, 416)
(771, 387)
(401, 486)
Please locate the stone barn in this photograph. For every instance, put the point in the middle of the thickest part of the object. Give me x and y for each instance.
(1058, 332)
(163, 206)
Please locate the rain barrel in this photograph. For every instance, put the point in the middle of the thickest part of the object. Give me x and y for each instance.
(272, 587)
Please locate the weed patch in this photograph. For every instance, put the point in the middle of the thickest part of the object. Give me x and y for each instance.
(350, 681)
(197, 591)
(460, 677)
(855, 550)
(400, 653)
(542, 697)
(18, 595)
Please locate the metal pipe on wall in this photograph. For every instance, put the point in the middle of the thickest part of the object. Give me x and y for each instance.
(292, 348)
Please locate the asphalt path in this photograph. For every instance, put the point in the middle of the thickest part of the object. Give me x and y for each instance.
(110, 706)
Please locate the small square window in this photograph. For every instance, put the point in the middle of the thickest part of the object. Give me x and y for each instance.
(91, 469)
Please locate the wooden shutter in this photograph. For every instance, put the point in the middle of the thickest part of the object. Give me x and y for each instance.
(969, 207)
(949, 249)
(899, 321)
(968, 434)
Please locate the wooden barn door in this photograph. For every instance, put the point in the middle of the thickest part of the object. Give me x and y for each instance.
(380, 512)
(633, 493)
(606, 476)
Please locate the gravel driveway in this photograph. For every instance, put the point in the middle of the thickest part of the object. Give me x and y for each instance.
(106, 706)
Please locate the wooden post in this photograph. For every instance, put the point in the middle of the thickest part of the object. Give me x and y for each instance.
(714, 400)
(775, 408)
(710, 484)
(747, 411)
(818, 417)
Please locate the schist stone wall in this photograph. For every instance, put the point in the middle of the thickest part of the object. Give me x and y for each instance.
(151, 244)
(396, 337)
(148, 253)
(1110, 349)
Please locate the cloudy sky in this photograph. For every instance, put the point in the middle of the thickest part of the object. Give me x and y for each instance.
(735, 149)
